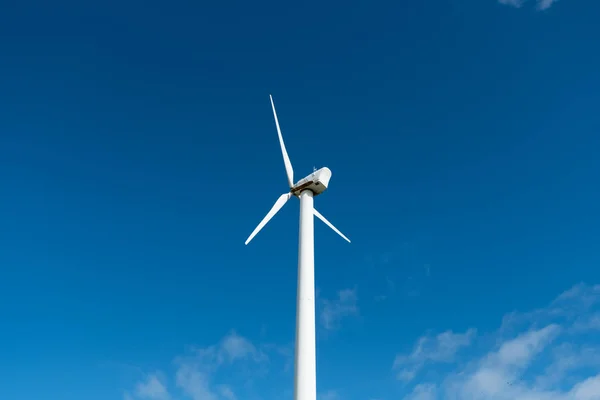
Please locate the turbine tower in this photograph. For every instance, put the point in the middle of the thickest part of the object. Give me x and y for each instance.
(305, 366)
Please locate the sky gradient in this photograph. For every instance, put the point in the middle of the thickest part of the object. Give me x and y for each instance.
(138, 151)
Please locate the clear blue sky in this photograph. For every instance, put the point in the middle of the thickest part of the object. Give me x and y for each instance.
(138, 151)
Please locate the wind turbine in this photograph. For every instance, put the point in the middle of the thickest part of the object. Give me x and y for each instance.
(305, 368)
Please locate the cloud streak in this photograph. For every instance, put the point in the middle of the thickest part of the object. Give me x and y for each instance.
(540, 4)
(551, 353)
(333, 311)
(423, 392)
(439, 349)
(545, 4)
(196, 373)
(152, 389)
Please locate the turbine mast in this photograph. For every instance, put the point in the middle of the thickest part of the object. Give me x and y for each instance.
(305, 373)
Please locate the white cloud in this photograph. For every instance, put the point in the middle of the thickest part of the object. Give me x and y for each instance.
(550, 353)
(495, 373)
(235, 347)
(566, 359)
(541, 4)
(587, 390)
(423, 392)
(536, 355)
(194, 382)
(514, 3)
(196, 372)
(545, 4)
(152, 389)
(439, 349)
(519, 351)
(343, 306)
(588, 323)
(226, 392)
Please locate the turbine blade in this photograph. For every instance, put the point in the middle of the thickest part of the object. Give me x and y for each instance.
(329, 224)
(276, 207)
(286, 159)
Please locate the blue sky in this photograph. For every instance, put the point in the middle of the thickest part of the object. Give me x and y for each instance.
(138, 151)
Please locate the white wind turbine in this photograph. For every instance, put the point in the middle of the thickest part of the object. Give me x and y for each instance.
(305, 374)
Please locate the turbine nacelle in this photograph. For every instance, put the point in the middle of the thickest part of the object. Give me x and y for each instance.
(316, 182)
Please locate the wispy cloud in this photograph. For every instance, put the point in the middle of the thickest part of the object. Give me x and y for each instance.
(344, 305)
(194, 382)
(540, 4)
(152, 389)
(544, 4)
(227, 392)
(196, 371)
(438, 349)
(424, 391)
(513, 3)
(550, 353)
(537, 355)
(498, 373)
(567, 358)
(236, 347)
